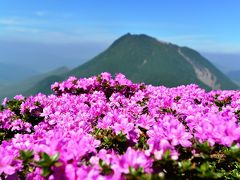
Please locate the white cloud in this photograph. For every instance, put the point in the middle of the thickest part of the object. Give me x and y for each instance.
(189, 37)
(15, 21)
(205, 43)
(53, 14)
(9, 21)
(216, 47)
(23, 29)
(41, 13)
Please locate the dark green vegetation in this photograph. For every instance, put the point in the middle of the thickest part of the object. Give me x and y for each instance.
(142, 59)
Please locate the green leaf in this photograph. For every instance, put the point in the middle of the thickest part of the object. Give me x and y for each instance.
(55, 157)
(101, 162)
(167, 155)
(185, 165)
(37, 103)
(204, 167)
(1, 108)
(46, 172)
(26, 155)
(46, 162)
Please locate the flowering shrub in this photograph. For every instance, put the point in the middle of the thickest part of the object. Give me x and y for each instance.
(110, 128)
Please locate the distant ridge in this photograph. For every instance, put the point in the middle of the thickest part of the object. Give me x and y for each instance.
(30, 86)
(14, 73)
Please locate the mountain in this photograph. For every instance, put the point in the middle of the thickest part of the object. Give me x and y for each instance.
(12, 73)
(28, 85)
(44, 85)
(56, 72)
(145, 59)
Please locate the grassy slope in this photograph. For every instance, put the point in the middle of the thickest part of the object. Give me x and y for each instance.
(43, 86)
(164, 65)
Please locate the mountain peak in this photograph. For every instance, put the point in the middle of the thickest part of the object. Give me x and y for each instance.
(140, 38)
(143, 58)
(129, 35)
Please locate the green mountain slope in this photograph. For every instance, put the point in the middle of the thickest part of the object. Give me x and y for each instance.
(43, 86)
(144, 59)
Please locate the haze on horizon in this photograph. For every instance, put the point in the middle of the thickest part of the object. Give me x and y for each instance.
(43, 35)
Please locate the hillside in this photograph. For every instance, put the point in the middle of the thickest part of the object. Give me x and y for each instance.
(145, 59)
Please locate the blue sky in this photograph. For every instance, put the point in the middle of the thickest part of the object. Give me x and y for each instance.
(206, 25)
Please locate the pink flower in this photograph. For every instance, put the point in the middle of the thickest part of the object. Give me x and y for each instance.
(163, 119)
(122, 80)
(55, 85)
(5, 163)
(19, 97)
(70, 171)
(134, 159)
(4, 102)
(106, 76)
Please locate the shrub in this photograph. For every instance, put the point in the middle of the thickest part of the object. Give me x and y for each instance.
(109, 128)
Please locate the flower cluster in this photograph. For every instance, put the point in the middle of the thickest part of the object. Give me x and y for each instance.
(109, 128)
